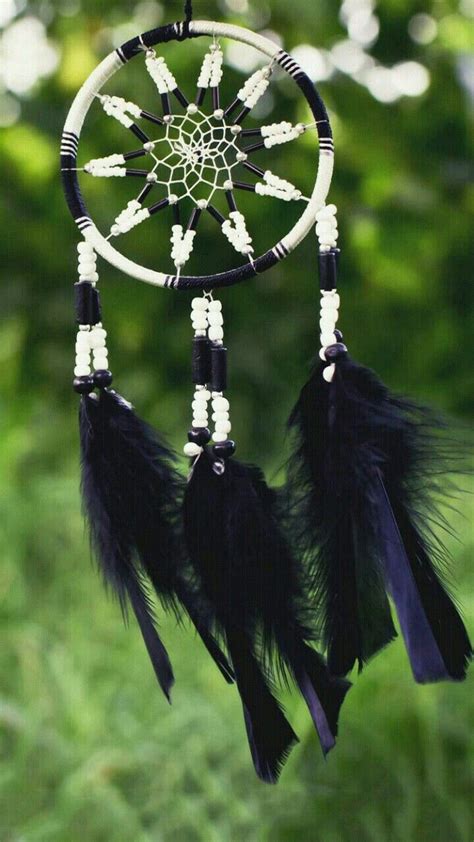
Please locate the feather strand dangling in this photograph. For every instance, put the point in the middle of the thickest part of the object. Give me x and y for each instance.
(131, 498)
(246, 570)
(363, 479)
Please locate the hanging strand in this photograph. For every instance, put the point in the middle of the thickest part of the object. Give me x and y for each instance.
(188, 16)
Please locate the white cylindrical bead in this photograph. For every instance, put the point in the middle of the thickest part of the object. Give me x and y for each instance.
(199, 423)
(200, 304)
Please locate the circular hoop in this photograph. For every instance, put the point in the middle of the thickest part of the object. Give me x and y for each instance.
(106, 69)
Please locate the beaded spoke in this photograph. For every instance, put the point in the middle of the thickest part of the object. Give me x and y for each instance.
(196, 156)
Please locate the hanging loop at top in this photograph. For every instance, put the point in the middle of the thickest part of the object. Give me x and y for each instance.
(188, 15)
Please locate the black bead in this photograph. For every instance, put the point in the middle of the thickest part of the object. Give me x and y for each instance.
(83, 385)
(103, 378)
(224, 449)
(200, 436)
(335, 352)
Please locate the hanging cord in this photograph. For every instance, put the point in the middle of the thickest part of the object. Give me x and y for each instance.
(188, 16)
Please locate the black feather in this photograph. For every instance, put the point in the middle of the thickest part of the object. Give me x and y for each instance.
(131, 495)
(333, 524)
(373, 466)
(253, 581)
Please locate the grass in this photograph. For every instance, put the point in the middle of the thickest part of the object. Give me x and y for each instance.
(91, 752)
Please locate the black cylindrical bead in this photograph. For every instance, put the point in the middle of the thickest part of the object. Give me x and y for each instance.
(327, 270)
(218, 381)
(201, 360)
(87, 303)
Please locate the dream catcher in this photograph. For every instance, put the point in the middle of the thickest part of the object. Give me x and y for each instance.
(262, 576)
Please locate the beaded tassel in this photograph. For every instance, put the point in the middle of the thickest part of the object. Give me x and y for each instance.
(210, 379)
(91, 367)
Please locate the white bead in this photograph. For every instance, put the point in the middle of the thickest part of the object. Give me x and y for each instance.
(202, 395)
(200, 423)
(92, 276)
(82, 370)
(100, 352)
(337, 300)
(98, 331)
(192, 449)
(328, 303)
(328, 339)
(215, 306)
(327, 212)
(220, 416)
(220, 404)
(199, 303)
(83, 359)
(199, 404)
(215, 333)
(216, 319)
(324, 228)
(322, 354)
(328, 373)
(82, 341)
(219, 437)
(326, 324)
(96, 342)
(199, 321)
(223, 426)
(85, 248)
(100, 363)
(86, 268)
(200, 414)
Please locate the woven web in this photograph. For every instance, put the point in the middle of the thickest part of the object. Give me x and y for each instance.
(196, 156)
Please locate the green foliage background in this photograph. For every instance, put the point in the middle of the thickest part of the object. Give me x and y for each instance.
(89, 751)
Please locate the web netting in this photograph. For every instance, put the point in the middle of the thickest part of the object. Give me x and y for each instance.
(196, 156)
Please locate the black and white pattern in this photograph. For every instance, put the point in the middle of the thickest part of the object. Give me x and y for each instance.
(195, 154)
